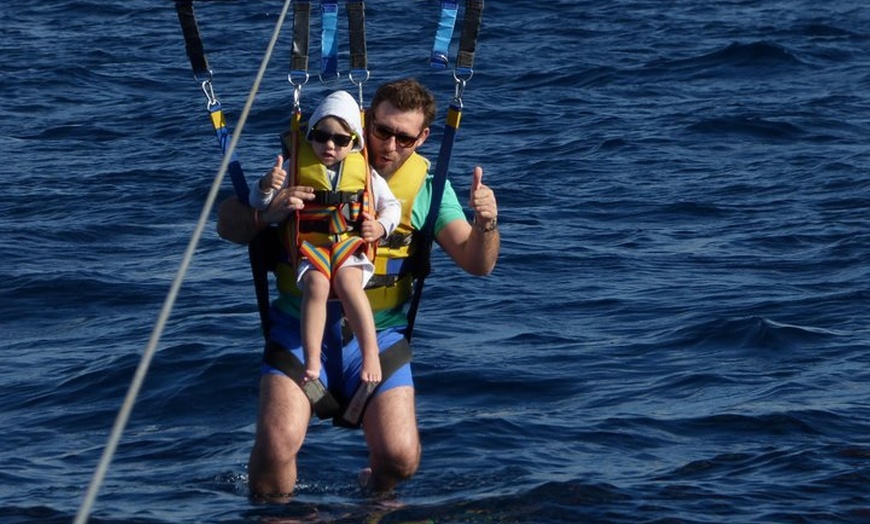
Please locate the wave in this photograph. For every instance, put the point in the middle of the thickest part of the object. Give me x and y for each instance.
(759, 59)
(751, 332)
(749, 126)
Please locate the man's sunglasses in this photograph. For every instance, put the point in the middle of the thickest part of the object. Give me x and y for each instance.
(323, 137)
(385, 133)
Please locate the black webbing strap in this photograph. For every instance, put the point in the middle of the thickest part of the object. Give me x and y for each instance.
(264, 251)
(356, 21)
(301, 33)
(470, 32)
(422, 256)
(391, 359)
(192, 40)
(322, 401)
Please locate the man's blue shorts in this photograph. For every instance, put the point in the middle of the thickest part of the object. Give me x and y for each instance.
(341, 365)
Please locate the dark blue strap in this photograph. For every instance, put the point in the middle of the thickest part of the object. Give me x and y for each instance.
(235, 168)
(439, 181)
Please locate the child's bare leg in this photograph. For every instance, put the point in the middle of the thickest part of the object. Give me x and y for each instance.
(348, 288)
(312, 317)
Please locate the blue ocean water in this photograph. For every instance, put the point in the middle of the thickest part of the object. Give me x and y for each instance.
(676, 331)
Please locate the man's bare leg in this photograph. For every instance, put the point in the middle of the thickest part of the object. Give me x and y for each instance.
(390, 426)
(284, 414)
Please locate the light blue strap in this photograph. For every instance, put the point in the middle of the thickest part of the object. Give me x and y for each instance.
(328, 41)
(440, 50)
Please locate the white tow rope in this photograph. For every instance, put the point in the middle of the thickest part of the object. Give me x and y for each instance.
(144, 363)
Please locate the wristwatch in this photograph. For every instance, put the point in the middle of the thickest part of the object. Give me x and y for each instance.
(491, 227)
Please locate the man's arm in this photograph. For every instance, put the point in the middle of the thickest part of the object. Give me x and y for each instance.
(236, 221)
(470, 247)
(474, 247)
(239, 223)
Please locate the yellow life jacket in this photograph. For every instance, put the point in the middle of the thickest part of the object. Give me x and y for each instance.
(391, 285)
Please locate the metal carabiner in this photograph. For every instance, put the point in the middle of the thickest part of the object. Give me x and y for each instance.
(297, 96)
(208, 90)
(359, 83)
(460, 86)
(297, 86)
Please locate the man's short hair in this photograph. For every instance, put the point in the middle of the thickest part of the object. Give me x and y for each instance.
(407, 94)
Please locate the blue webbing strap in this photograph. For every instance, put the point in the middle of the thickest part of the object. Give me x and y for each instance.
(328, 40)
(439, 57)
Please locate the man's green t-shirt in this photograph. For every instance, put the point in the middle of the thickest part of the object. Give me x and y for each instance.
(450, 210)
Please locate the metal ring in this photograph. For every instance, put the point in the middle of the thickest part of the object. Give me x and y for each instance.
(463, 71)
(326, 81)
(301, 74)
(354, 82)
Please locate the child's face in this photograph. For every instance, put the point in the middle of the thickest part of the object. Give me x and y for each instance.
(326, 140)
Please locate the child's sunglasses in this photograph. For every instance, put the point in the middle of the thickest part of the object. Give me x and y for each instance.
(323, 137)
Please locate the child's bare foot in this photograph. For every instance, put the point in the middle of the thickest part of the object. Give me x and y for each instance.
(311, 375)
(371, 372)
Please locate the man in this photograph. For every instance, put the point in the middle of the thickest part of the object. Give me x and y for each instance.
(397, 124)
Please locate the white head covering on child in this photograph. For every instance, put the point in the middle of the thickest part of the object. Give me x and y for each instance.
(340, 104)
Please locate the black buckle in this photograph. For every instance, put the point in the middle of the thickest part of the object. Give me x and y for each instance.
(395, 241)
(334, 198)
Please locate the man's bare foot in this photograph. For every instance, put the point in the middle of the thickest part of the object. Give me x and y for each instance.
(365, 477)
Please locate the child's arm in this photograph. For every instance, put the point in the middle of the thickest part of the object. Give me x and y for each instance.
(265, 187)
(388, 207)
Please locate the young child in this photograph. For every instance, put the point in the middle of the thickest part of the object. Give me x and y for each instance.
(334, 236)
